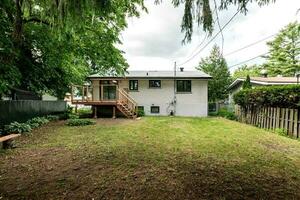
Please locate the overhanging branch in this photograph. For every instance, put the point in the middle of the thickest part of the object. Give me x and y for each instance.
(36, 20)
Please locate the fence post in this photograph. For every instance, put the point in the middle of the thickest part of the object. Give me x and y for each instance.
(277, 117)
(295, 132)
(291, 122)
(282, 115)
(286, 119)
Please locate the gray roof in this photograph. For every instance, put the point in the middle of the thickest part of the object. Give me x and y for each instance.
(266, 81)
(158, 74)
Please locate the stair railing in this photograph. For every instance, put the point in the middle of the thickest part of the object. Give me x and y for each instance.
(125, 99)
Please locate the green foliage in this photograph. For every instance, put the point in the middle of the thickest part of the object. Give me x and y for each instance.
(226, 114)
(247, 83)
(281, 131)
(284, 57)
(216, 66)
(52, 117)
(80, 122)
(243, 71)
(140, 113)
(73, 116)
(48, 45)
(274, 96)
(38, 120)
(201, 12)
(16, 127)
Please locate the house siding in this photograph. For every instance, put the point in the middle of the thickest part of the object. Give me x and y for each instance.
(188, 104)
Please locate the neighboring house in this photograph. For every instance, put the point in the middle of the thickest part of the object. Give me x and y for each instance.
(19, 94)
(181, 93)
(236, 85)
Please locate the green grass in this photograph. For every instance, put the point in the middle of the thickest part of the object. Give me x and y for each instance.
(157, 158)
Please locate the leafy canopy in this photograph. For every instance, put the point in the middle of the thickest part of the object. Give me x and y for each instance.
(216, 66)
(48, 45)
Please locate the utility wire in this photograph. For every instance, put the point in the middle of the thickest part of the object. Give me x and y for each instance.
(249, 45)
(188, 60)
(217, 16)
(245, 61)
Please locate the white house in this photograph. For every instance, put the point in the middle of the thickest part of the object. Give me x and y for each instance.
(180, 93)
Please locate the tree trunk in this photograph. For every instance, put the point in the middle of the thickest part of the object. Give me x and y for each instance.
(18, 26)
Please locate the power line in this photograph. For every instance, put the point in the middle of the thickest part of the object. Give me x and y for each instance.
(203, 40)
(217, 16)
(245, 61)
(210, 40)
(249, 45)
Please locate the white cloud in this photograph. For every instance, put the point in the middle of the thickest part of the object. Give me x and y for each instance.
(153, 41)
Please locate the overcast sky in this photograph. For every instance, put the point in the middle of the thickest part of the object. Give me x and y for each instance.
(153, 41)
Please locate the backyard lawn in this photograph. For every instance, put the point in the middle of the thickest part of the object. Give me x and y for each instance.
(152, 158)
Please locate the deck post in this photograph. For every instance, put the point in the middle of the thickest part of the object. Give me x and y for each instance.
(95, 112)
(76, 105)
(114, 112)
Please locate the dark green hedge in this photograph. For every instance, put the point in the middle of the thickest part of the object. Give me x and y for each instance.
(274, 96)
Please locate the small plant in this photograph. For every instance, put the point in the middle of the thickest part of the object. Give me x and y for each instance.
(52, 117)
(281, 131)
(226, 114)
(37, 120)
(73, 116)
(16, 127)
(80, 122)
(140, 113)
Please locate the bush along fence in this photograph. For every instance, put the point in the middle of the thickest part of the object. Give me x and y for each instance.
(285, 120)
(272, 107)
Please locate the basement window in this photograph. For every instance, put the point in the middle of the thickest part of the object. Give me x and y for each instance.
(184, 86)
(155, 109)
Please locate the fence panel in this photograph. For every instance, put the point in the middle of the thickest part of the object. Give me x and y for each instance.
(271, 118)
(22, 110)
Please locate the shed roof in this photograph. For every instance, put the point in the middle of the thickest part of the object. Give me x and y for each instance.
(266, 81)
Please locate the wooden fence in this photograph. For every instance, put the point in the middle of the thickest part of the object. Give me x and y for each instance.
(284, 119)
(22, 110)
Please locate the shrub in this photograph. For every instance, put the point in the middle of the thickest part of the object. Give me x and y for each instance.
(73, 116)
(37, 120)
(226, 114)
(274, 96)
(16, 127)
(80, 122)
(84, 112)
(140, 113)
(52, 117)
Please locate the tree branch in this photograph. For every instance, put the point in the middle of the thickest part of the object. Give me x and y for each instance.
(37, 20)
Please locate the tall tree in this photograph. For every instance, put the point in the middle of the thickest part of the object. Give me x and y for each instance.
(216, 66)
(284, 57)
(247, 83)
(48, 45)
(245, 70)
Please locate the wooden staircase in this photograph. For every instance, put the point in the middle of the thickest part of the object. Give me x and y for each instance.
(126, 104)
